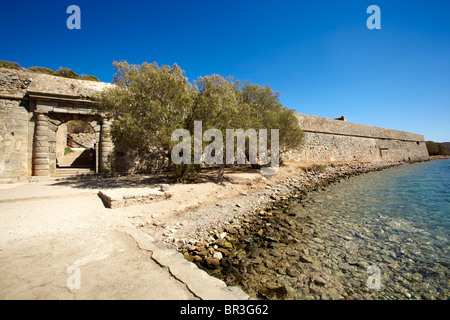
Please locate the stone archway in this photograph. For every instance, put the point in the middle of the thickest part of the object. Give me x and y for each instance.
(50, 111)
(58, 119)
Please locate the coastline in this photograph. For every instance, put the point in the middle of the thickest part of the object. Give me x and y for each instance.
(224, 238)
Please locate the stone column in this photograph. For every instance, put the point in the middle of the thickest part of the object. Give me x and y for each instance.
(41, 146)
(106, 147)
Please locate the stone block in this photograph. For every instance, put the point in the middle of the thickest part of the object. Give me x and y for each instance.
(43, 136)
(41, 162)
(124, 197)
(45, 109)
(61, 110)
(41, 149)
(42, 173)
(41, 143)
(40, 155)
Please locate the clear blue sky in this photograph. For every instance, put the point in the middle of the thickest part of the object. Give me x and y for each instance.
(319, 54)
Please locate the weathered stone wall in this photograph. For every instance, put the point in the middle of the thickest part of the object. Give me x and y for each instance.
(14, 139)
(328, 140)
(18, 82)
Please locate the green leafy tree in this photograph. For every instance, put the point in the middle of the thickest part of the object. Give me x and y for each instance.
(267, 112)
(147, 103)
(216, 104)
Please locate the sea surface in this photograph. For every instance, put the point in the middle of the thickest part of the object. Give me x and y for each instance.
(385, 234)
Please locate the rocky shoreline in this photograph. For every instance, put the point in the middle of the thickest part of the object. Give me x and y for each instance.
(277, 252)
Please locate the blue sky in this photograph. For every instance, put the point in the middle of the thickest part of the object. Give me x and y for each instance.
(319, 54)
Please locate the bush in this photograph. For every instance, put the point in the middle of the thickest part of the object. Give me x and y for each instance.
(436, 149)
(88, 77)
(9, 65)
(66, 73)
(67, 150)
(42, 70)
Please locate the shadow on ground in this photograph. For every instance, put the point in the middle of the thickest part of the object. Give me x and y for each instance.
(112, 181)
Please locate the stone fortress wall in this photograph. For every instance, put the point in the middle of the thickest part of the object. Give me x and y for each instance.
(329, 140)
(33, 106)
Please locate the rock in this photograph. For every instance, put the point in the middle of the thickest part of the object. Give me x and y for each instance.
(273, 292)
(344, 266)
(306, 259)
(218, 255)
(224, 251)
(188, 257)
(203, 252)
(164, 187)
(228, 245)
(292, 272)
(212, 263)
(281, 270)
(232, 230)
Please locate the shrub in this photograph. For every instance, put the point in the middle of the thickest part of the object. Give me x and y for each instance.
(9, 65)
(67, 150)
(88, 77)
(42, 70)
(319, 167)
(66, 73)
(436, 149)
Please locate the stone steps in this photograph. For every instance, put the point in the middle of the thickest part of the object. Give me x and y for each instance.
(79, 158)
(72, 172)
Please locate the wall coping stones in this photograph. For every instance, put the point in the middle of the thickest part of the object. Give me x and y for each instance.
(323, 125)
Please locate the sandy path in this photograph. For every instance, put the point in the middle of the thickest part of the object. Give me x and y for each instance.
(40, 239)
(47, 227)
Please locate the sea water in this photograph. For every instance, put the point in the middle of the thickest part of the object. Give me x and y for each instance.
(396, 221)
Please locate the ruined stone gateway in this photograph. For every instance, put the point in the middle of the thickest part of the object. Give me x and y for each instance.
(33, 106)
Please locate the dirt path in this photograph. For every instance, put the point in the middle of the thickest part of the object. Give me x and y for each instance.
(47, 227)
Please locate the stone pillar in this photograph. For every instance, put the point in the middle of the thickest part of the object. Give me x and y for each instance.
(106, 147)
(41, 146)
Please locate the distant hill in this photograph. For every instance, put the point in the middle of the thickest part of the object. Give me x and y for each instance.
(447, 145)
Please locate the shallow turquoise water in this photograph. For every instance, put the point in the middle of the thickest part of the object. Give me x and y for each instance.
(418, 194)
(397, 219)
